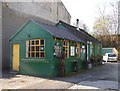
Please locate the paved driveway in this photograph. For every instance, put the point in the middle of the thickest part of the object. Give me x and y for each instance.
(101, 77)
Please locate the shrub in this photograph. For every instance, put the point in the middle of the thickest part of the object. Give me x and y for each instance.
(99, 59)
(93, 60)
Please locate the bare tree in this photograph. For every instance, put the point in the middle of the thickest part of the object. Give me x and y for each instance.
(85, 27)
(106, 24)
(109, 19)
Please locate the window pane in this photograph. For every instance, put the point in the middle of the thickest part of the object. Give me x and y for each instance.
(72, 52)
(32, 48)
(37, 42)
(37, 48)
(37, 54)
(32, 54)
(32, 42)
(41, 48)
(42, 54)
(42, 42)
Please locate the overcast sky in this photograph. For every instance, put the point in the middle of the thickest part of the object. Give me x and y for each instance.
(85, 10)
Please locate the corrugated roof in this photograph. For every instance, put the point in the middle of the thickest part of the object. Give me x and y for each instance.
(84, 36)
(60, 33)
(91, 38)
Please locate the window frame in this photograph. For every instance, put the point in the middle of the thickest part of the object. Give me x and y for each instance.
(72, 51)
(66, 48)
(93, 49)
(31, 48)
(78, 50)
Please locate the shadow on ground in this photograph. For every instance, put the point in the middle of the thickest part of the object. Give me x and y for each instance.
(7, 74)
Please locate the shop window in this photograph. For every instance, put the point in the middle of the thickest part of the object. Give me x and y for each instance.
(72, 51)
(57, 52)
(66, 49)
(35, 48)
(78, 50)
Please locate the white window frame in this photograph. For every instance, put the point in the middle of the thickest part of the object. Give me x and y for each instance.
(72, 50)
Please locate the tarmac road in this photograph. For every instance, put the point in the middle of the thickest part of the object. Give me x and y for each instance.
(101, 77)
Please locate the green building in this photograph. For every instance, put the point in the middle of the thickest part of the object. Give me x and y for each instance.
(92, 45)
(43, 50)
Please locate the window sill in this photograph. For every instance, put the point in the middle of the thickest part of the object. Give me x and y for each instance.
(35, 60)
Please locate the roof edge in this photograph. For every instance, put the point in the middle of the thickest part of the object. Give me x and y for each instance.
(19, 30)
(60, 21)
(42, 26)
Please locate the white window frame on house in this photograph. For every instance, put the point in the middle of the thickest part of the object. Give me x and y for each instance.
(35, 48)
(72, 50)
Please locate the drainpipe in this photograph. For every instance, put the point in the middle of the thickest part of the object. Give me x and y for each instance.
(91, 52)
(87, 50)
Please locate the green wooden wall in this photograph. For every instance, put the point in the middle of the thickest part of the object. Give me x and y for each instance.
(48, 66)
(34, 66)
(68, 61)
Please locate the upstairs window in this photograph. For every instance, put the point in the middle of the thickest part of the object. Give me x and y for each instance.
(66, 49)
(35, 48)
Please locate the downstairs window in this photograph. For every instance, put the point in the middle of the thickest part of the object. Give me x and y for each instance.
(35, 48)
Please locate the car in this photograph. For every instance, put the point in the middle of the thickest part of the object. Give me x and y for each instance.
(110, 57)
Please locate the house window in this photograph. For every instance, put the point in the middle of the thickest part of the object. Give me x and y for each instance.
(78, 50)
(66, 49)
(72, 51)
(35, 48)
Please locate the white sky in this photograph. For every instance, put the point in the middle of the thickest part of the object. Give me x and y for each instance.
(85, 10)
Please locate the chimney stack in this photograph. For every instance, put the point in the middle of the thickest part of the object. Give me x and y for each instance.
(77, 23)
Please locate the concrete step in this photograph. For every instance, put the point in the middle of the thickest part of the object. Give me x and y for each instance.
(13, 72)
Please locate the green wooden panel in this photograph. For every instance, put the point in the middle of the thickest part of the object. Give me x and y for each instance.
(48, 66)
(83, 54)
(31, 31)
(68, 61)
(34, 66)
